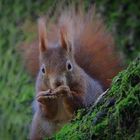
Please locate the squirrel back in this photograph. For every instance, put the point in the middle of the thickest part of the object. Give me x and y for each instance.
(94, 49)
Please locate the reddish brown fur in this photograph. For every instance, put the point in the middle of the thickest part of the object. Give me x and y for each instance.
(93, 45)
(93, 49)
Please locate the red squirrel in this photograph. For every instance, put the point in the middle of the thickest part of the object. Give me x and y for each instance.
(74, 62)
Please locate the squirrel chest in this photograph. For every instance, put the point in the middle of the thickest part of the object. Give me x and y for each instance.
(62, 114)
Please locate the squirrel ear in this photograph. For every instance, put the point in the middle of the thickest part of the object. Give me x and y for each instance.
(42, 35)
(65, 43)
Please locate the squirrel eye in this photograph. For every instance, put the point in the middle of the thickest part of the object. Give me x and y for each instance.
(69, 66)
(43, 69)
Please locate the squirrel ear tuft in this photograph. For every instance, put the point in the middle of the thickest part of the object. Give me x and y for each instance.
(65, 43)
(42, 35)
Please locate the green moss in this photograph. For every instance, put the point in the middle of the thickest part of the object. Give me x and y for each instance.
(116, 116)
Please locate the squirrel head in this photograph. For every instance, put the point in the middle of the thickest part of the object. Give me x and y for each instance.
(56, 62)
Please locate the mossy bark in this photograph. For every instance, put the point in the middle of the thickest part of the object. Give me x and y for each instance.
(116, 116)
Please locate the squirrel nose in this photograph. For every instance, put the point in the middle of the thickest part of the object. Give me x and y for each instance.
(58, 83)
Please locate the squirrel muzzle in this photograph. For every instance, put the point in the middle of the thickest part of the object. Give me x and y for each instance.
(56, 81)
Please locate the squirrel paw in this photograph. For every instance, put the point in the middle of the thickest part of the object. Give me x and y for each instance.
(62, 91)
(43, 96)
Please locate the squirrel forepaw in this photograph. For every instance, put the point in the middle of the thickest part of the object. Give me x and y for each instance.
(62, 91)
(43, 96)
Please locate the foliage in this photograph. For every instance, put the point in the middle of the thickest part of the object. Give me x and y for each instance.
(16, 86)
(116, 116)
(124, 19)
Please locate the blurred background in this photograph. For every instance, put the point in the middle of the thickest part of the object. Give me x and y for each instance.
(18, 24)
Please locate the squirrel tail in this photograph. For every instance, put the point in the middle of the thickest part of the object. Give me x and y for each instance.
(94, 46)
